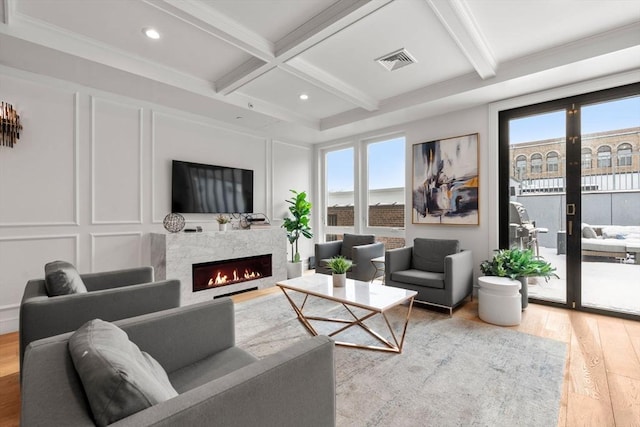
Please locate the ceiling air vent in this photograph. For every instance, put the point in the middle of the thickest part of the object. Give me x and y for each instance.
(398, 59)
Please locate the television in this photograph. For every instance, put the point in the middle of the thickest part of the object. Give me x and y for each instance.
(200, 188)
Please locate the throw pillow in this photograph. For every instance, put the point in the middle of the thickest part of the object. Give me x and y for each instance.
(351, 240)
(62, 278)
(588, 232)
(118, 379)
(429, 254)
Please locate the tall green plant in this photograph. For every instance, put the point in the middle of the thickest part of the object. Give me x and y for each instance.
(516, 263)
(297, 226)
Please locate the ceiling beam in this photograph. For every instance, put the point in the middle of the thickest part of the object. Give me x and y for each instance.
(330, 21)
(320, 78)
(335, 18)
(459, 22)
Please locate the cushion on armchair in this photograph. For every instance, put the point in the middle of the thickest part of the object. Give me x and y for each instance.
(351, 240)
(118, 379)
(429, 254)
(62, 278)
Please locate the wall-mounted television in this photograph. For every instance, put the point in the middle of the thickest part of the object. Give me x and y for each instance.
(200, 188)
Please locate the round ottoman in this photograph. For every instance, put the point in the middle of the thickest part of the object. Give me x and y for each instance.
(499, 300)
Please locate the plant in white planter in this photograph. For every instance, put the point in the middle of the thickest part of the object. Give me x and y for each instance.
(339, 266)
(222, 222)
(518, 264)
(296, 227)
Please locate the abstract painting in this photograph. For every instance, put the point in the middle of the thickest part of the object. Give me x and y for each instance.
(445, 181)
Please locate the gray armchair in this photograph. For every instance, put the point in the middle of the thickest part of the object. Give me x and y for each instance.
(112, 295)
(437, 269)
(217, 383)
(359, 248)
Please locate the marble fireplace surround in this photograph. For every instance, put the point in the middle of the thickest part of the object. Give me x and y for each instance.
(173, 254)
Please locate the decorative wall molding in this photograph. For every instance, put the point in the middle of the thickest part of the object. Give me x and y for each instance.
(97, 236)
(94, 102)
(74, 236)
(76, 182)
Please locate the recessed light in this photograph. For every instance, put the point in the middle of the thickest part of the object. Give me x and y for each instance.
(152, 33)
(304, 96)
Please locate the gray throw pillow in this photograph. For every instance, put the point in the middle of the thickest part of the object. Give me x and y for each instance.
(118, 379)
(62, 278)
(429, 254)
(588, 232)
(351, 240)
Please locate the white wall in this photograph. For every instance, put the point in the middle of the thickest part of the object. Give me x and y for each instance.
(89, 178)
(473, 237)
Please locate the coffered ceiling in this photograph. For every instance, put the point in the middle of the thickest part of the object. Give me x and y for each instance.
(246, 62)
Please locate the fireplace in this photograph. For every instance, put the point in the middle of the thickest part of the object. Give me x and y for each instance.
(208, 275)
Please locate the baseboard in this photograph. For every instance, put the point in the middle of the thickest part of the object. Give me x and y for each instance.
(9, 319)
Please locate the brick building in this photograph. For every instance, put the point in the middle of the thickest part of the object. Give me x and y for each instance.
(603, 153)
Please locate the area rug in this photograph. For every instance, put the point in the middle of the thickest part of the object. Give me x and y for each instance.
(452, 371)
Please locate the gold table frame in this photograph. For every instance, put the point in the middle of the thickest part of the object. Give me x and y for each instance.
(356, 320)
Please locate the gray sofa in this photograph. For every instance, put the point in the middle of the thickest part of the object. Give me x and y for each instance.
(436, 269)
(217, 382)
(112, 295)
(359, 248)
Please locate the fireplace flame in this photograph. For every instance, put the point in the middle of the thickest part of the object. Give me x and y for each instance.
(221, 279)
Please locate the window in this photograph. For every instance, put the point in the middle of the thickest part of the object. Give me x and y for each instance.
(604, 157)
(385, 183)
(624, 155)
(339, 176)
(552, 162)
(536, 163)
(364, 190)
(521, 167)
(585, 157)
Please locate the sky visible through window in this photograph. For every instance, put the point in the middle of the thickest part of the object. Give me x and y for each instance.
(387, 166)
(620, 114)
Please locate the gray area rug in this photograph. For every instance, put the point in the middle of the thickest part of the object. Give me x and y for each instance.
(452, 372)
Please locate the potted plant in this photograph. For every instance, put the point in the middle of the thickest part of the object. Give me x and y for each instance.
(296, 227)
(222, 222)
(339, 266)
(518, 264)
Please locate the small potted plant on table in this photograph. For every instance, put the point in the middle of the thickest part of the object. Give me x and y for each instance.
(339, 266)
(222, 222)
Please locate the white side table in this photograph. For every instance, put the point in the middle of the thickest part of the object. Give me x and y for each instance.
(499, 300)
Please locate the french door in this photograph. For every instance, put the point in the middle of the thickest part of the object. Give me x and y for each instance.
(571, 167)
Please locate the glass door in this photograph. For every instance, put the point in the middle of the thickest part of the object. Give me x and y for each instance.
(537, 156)
(610, 205)
(570, 191)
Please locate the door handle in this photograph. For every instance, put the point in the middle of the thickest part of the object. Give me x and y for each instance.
(570, 228)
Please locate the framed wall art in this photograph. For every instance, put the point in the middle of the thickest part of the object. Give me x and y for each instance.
(445, 181)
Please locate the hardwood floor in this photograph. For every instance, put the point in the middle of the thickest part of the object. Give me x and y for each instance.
(602, 372)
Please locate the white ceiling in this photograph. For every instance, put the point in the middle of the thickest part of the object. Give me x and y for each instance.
(245, 62)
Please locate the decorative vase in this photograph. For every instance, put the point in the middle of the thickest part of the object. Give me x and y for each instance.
(339, 279)
(173, 222)
(294, 269)
(222, 227)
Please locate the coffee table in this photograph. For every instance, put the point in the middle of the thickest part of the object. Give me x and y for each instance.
(372, 299)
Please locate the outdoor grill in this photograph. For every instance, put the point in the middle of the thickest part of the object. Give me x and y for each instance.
(523, 232)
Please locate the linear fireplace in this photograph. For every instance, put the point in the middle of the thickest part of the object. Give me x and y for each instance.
(208, 275)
